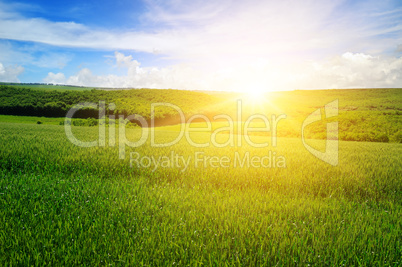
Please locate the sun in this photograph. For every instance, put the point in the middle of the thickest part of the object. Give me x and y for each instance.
(255, 93)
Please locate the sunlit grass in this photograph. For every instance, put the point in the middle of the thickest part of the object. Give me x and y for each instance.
(64, 205)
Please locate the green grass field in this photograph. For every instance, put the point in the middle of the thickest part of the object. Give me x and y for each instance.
(30, 120)
(47, 87)
(62, 204)
(364, 114)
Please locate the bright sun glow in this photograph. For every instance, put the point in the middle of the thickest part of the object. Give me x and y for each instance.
(255, 93)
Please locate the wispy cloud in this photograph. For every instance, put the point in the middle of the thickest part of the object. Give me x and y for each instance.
(35, 55)
(232, 42)
(218, 27)
(10, 73)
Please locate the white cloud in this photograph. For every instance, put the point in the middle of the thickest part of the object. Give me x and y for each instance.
(350, 70)
(10, 73)
(178, 76)
(55, 78)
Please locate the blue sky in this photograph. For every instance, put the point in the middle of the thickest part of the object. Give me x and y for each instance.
(207, 45)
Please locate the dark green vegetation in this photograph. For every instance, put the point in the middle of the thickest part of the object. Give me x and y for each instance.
(27, 102)
(372, 115)
(65, 205)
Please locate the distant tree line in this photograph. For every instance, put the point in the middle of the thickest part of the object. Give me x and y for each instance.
(53, 103)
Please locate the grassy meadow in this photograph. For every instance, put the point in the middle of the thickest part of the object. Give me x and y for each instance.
(47, 87)
(61, 204)
(371, 115)
(183, 205)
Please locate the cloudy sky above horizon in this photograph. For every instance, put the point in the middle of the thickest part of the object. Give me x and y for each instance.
(203, 45)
